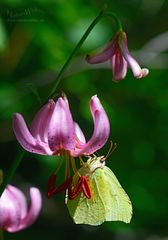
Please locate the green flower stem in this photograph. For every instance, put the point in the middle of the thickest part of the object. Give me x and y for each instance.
(12, 170)
(101, 15)
(79, 44)
(116, 19)
(52, 94)
(1, 235)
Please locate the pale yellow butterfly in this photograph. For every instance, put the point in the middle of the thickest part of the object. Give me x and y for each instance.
(108, 200)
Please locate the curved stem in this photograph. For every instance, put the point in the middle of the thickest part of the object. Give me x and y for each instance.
(116, 19)
(12, 170)
(79, 44)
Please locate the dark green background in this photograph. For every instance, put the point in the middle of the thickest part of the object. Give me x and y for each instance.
(36, 37)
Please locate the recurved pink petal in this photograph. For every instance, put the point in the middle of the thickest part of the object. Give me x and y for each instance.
(41, 121)
(132, 63)
(144, 72)
(27, 141)
(105, 54)
(61, 133)
(80, 138)
(10, 211)
(20, 199)
(33, 210)
(101, 129)
(119, 66)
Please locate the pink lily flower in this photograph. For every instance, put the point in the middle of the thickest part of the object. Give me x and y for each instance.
(53, 130)
(117, 52)
(14, 213)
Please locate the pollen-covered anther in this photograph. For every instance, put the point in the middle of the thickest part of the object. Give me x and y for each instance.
(52, 189)
(82, 185)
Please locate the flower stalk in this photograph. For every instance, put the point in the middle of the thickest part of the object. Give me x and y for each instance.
(101, 15)
(12, 170)
(1, 235)
(77, 47)
(116, 19)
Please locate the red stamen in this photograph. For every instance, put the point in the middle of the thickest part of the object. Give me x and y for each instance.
(73, 193)
(54, 190)
(86, 187)
(51, 183)
(62, 186)
(82, 185)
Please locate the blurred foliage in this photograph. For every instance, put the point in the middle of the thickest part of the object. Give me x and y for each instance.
(36, 37)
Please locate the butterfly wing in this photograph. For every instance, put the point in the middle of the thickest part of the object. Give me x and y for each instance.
(87, 211)
(109, 202)
(117, 203)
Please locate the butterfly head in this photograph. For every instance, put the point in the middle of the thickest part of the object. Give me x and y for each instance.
(99, 161)
(95, 162)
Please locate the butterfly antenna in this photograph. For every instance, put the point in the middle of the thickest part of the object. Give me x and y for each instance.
(113, 146)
